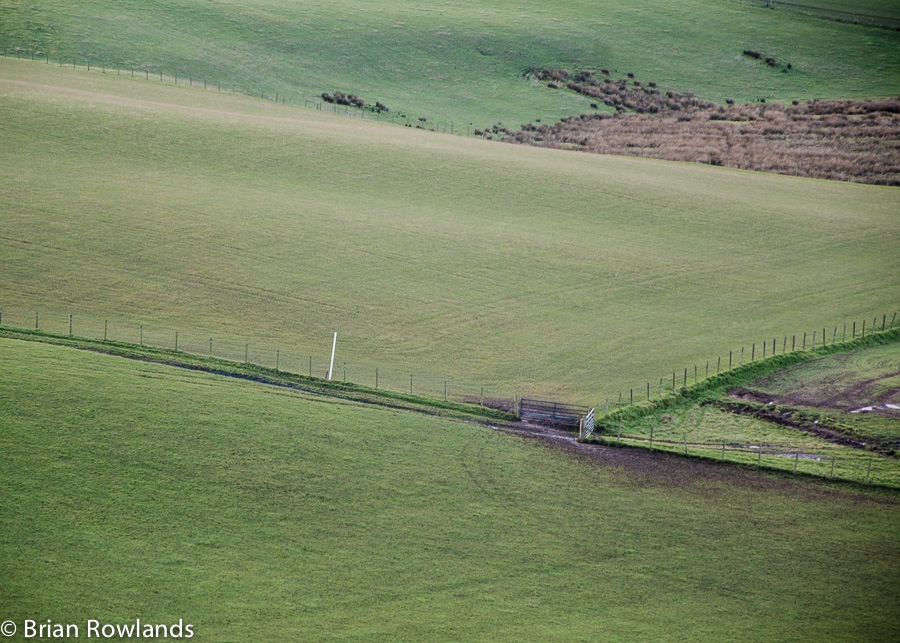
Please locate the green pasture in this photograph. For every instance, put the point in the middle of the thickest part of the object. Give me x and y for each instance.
(158, 210)
(136, 490)
(461, 61)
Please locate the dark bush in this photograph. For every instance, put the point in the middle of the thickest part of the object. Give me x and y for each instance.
(771, 62)
(752, 54)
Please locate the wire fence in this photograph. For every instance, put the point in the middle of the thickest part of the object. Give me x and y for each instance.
(839, 15)
(825, 462)
(157, 72)
(767, 348)
(314, 363)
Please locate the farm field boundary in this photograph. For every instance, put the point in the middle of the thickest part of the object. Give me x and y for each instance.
(264, 375)
(874, 464)
(733, 371)
(156, 73)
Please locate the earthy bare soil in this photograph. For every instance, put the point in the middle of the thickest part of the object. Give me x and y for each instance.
(845, 140)
(652, 469)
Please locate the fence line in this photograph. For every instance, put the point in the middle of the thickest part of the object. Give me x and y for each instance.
(757, 351)
(259, 353)
(249, 352)
(838, 15)
(294, 99)
(866, 467)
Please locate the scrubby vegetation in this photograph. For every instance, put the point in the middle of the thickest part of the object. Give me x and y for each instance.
(850, 140)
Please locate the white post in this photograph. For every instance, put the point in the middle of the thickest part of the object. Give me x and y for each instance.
(333, 346)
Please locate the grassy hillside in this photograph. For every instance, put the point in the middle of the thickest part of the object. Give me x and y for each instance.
(531, 271)
(139, 491)
(463, 61)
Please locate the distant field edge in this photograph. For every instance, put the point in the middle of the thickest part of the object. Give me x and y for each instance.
(268, 376)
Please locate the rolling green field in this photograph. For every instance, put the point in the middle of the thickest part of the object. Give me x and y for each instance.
(463, 61)
(528, 271)
(137, 490)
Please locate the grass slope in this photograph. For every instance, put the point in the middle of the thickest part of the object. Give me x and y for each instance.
(463, 61)
(136, 490)
(531, 271)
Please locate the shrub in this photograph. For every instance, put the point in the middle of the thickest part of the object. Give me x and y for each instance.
(752, 54)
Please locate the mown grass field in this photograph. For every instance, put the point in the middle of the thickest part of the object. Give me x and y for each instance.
(529, 271)
(462, 62)
(137, 490)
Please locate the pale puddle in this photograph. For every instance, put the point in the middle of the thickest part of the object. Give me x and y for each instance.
(869, 409)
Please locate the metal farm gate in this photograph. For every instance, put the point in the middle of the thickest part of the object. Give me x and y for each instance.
(558, 414)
